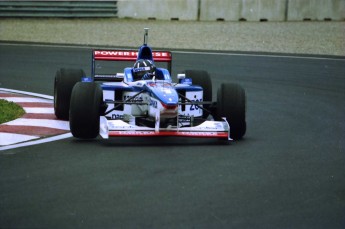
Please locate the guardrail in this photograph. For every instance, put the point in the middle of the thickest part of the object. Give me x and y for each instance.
(58, 9)
(204, 10)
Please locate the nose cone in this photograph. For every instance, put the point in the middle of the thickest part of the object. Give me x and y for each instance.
(168, 98)
(165, 93)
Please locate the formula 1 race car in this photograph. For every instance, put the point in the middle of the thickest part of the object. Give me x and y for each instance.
(144, 101)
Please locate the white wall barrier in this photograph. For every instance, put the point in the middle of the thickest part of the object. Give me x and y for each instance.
(233, 10)
(204, 10)
(316, 10)
(246, 10)
(159, 9)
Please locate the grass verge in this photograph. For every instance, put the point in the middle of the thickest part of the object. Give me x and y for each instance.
(9, 111)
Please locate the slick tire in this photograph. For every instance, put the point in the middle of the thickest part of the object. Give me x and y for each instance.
(202, 79)
(65, 79)
(231, 104)
(86, 100)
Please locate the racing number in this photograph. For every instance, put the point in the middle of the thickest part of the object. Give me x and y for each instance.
(193, 106)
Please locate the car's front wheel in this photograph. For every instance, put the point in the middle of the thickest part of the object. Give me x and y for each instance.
(85, 109)
(231, 104)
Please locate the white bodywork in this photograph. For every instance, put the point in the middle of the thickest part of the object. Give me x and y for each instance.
(121, 122)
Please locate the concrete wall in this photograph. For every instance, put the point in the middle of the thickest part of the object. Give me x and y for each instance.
(248, 10)
(158, 9)
(233, 10)
(316, 10)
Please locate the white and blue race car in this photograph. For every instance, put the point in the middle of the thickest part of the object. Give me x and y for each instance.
(119, 104)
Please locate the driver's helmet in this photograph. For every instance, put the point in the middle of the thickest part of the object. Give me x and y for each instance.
(143, 69)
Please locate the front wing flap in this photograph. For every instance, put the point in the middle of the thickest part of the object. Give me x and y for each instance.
(207, 129)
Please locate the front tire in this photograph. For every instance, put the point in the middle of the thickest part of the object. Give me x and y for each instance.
(231, 104)
(65, 79)
(85, 109)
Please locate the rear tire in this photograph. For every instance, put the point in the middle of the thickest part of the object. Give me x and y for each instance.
(65, 79)
(85, 110)
(231, 104)
(202, 79)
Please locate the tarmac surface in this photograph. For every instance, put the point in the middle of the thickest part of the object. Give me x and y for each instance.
(287, 172)
(321, 38)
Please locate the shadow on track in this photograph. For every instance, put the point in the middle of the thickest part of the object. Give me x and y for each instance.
(157, 141)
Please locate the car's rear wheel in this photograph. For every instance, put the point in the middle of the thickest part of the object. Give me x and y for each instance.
(231, 104)
(202, 79)
(85, 108)
(65, 79)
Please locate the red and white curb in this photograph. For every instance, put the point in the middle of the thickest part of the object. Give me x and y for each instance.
(37, 125)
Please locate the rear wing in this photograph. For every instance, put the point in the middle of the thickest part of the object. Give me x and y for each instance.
(128, 55)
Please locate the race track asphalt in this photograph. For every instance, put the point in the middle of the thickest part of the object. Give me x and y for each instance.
(288, 171)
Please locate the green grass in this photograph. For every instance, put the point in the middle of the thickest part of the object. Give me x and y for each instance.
(9, 111)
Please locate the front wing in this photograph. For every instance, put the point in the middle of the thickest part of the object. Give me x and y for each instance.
(207, 129)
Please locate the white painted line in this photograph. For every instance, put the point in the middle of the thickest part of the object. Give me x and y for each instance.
(39, 110)
(292, 56)
(27, 93)
(44, 140)
(9, 138)
(57, 124)
(26, 100)
(259, 55)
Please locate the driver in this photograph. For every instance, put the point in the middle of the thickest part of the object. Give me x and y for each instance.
(143, 69)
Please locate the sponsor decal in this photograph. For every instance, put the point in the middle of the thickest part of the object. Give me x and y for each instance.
(116, 116)
(129, 55)
(153, 103)
(137, 98)
(141, 69)
(161, 54)
(116, 53)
